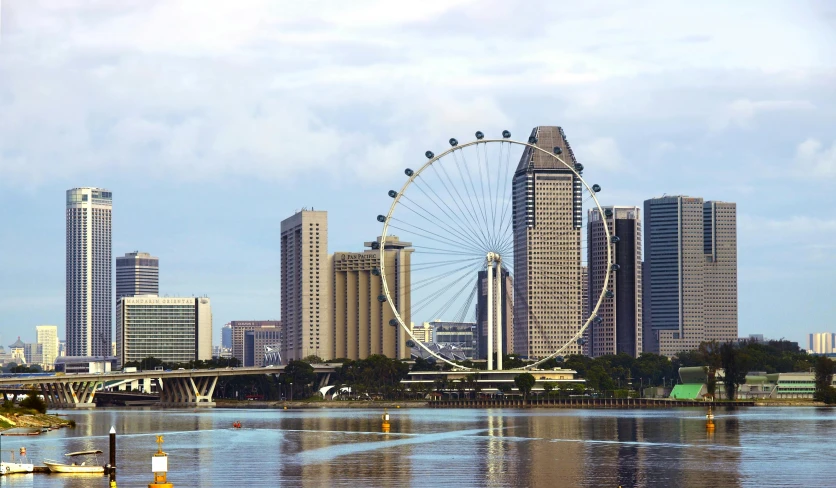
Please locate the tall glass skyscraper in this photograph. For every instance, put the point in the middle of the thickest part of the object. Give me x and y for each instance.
(89, 285)
(137, 273)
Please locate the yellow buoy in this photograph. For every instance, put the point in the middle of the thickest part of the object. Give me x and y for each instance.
(386, 425)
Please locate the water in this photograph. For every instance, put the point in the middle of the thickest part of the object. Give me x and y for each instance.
(426, 447)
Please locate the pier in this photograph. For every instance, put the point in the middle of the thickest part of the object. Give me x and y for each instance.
(584, 403)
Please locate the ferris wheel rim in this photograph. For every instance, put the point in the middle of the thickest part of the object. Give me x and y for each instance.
(411, 178)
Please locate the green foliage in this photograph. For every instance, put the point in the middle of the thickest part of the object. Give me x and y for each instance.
(313, 359)
(299, 375)
(735, 362)
(548, 387)
(376, 376)
(505, 388)
(422, 364)
(34, 401)
(150, 363)
(824, 377)
(525, 382)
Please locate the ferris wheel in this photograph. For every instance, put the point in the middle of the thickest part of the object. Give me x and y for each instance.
(495, 230)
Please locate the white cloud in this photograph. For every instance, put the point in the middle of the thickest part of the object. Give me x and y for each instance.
(600, 154)
(274, 89)
(741, 113)
(813, 159)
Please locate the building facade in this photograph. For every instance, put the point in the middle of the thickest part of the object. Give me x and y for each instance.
(172, 329)
(422, 333)
(88, 272)
(506, 327)
(226, 336)
(457, 335)
(620, 327)
(720, 248)
(256, 344)
(691, 267)
(238, 330)
(137, 273)
(822, 343)
(306, 296)
(361, 322)
(47, 337)
(547, 221)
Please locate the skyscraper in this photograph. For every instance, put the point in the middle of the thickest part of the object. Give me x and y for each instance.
(691, 265)
(360, 321)
(822, 342)
(306, 297)
(269, 330)
(137, 273)
(547, 221)
(226, 336)
(47, 336)
(720, 247)
(89, 282)
(620, 328)
(507, 325)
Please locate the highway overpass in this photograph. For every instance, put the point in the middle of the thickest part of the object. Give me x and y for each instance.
(182, 388)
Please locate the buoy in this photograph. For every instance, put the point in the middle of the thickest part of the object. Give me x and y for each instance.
(709, 421)
(159, 466)
(386, 425)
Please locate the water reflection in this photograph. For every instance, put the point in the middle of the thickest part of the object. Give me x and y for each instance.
(535, 447)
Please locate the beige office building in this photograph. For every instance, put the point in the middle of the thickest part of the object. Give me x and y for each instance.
(47, 336)
(619, 325)
(720, 247)
(172, 329)
(306, 294)
(424, 332)
(362, 323)
(821, 343)
(547, 222)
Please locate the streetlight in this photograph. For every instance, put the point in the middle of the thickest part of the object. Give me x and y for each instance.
(291, 391)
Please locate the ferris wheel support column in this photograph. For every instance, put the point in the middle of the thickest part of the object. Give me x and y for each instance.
(489, 292)
(499, 331)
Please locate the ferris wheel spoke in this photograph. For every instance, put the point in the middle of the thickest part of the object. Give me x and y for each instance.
(437, 238)
(492, 204)
(461, 315)
(456, 201)
(476, 208)
(439, 252)
(485, 211)
(420, 304)
(449, 303)
(464, 225)
(447, 228)
(447, 273)
(435, 264)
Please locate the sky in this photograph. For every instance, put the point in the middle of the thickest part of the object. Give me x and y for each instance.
(212, 121)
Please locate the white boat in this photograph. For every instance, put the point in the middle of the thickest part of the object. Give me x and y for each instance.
(11, 468)
(2, 469)
(87, 466)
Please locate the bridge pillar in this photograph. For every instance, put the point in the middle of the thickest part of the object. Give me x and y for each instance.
(186, 393)
(70, 394)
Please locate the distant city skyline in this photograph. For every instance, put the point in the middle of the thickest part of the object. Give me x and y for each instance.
(243, 128)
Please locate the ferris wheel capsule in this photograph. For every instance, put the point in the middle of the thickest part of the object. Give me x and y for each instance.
(532, 140)
(610, 294)
(557, 150)
(381, 218)
(453, 142)
(479, 135)
(608, 212)
(375, 245)
(615, 239)
(393, 193)
(381, 298)
(596, 188)
(393, 322)
(506, 134)
(429, 154)
(409, 172)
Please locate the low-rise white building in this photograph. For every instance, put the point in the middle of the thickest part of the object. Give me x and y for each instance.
(172, 329)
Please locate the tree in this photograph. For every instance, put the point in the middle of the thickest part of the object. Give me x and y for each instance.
(548, 387)
(504, 388)
(300, 375)
(824, 378)
(735, 366)
(313, 359)
(525, 382)
(34, 401)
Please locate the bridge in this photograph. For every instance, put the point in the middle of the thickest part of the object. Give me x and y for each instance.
(178, 388)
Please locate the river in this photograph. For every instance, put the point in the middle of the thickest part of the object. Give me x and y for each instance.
(758, 447)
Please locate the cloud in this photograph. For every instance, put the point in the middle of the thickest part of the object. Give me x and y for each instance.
(813, 159)
(741, 113)
(601, 154)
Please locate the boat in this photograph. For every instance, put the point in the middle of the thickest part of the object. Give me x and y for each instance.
(15, 467)
(2, 469)
(86, 466)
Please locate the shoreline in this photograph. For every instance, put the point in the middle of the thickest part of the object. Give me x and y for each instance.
(10, 421)
(372, 404)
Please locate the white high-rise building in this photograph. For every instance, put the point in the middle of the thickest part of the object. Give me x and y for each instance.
(47, 336)
(173, 329)
(89, 282)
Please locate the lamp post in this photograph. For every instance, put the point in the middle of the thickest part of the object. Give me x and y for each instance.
(291, 391)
